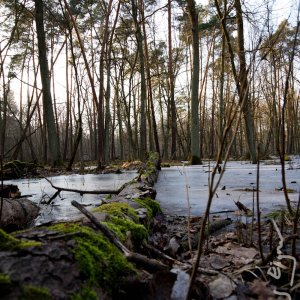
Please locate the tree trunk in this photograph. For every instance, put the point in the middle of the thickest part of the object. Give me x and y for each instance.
(143, 95)
(244, 86)
(45, 78)
(151, 105)
(195, 142)
(221, 92)
(68, 107)
(171, 80)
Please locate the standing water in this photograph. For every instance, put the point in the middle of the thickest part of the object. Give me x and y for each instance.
(40, 191)
(179, 185)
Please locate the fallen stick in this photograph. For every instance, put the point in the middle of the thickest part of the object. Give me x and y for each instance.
(81, 192)
(53, 197)
(148, 263)
(161, 254)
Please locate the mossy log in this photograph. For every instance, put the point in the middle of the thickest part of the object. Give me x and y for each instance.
(16, 169)
(76, 261)
(151, 264)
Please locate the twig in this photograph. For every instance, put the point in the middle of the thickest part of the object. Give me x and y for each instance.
(148, 263)
(221, 212)
(53, 197)
(23, 196)
(81, 192)
(295, 226)
(258, 209)
(189, 209)
(66, 235)
(1, 204)
(161, 254)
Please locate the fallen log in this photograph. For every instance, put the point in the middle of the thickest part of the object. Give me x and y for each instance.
(82, 263)
(147, 263)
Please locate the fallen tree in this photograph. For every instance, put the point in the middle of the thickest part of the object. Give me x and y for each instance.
(101, 257)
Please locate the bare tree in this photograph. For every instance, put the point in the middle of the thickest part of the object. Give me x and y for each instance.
(45, 78)
(195, 140)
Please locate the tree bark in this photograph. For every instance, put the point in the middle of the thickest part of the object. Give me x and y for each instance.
(171, 81)
(195, 138)
(244, 86)
(153, 118)
(45, 78)
(143, 95)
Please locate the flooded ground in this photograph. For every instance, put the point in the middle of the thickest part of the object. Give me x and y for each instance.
(177, 185)
(61, 209)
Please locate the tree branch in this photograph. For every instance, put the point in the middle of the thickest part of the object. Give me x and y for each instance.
(81, 192)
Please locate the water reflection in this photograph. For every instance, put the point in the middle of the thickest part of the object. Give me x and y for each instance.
(39, 191)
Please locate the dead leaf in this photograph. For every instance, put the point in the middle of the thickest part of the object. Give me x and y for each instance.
(218, 262)
(173, 246)
(262, 289)
(222, 287)
(238, 251)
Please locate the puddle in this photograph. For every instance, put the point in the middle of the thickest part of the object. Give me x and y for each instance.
(61, 208)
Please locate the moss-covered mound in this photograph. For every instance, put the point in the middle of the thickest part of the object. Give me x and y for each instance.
(123, 221)
(76, 261)
(15, 169)
(150, 172)
(73, 261)
(101, 263)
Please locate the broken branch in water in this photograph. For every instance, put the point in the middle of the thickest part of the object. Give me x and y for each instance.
(81, 192)
(148, 263)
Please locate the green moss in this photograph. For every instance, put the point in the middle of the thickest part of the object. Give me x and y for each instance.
(122, 226)
(151, 205)
(150, 168)
(281, 215)
(35, 292)
(4, 279)
(123, 219)
(149, 171)
(118, 209)
(165, 165)
(21, 165)
(14, 164)
(108, 197)
(152, 156)
(100, 261)
(6, 284)
(86, 294)
(8, 242)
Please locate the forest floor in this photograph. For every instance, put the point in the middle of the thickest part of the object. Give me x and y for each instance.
(231, 266)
